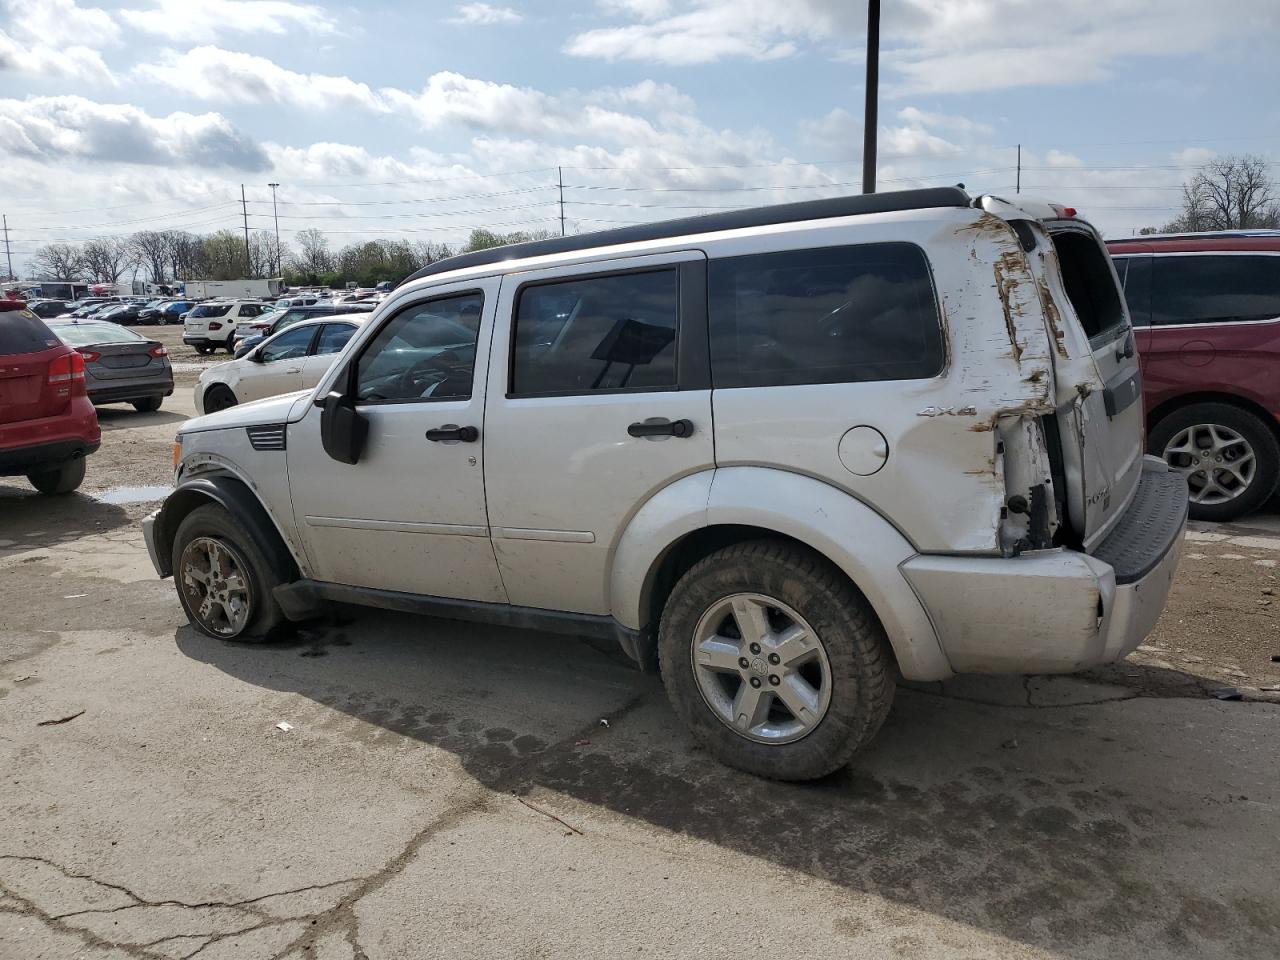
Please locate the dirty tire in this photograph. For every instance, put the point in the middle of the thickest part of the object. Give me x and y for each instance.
(861, 664)
(266, 621)
(59, 480)
(218, 398)
(203, 350)
(149, 405)
(1256, 433)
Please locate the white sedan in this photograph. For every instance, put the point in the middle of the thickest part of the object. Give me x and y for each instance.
(294, 359)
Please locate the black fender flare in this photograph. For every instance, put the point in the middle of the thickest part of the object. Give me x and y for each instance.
(237, 499)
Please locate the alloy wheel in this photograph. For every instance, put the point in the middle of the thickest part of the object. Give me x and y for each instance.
(1219, 463)
(216, 586)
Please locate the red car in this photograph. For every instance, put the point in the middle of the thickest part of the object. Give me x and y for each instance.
(1206, 312)
(47, 424)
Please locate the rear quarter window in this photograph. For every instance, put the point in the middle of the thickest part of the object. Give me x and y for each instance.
(1214, 288)
(21, 331)
(829, 315)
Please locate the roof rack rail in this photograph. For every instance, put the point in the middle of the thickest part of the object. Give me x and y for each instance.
(1198, 234)
(930, 197)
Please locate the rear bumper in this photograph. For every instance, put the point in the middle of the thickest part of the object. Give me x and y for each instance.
(1056, 611)
(202, 340)
(141, 390)
(29, 445)
(44, 456)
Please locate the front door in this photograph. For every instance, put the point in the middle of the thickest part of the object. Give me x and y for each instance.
(276, 366)
(599, 396)
(410, 515)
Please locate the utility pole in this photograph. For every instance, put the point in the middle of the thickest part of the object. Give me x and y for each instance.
(276, 215)
(7, 255)
(1018, 187)
(244, 208)
(560, 180)
(870, 111)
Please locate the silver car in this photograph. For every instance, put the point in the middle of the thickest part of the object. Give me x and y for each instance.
(119, 365)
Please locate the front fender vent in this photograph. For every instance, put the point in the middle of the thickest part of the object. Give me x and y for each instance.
(269, 436)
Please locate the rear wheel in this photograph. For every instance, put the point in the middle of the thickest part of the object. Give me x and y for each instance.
(203, 349)
(1229, 456)
(775, 661)
(218, 398)
(149, 405)
(223, 580)
(59, 480)
(231, 345)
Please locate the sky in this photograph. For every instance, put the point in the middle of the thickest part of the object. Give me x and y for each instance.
(420, 121)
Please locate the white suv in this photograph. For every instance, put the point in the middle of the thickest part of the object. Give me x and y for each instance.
(212, 324)
(785, 454)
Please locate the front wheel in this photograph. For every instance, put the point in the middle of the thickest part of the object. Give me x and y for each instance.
(59, 480)
(224, 582)
(775, 661)
(1229, 456)
(218, 398)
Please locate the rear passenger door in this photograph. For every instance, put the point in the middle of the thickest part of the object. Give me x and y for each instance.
(599, 397)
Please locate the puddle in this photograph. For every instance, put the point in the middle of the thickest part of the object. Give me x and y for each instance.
(118, 495)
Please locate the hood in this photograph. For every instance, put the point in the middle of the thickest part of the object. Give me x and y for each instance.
(285, 408)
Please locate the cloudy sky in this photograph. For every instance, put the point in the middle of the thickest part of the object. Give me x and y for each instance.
(421, 120)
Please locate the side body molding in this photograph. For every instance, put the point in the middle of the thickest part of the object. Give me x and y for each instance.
(848, 532)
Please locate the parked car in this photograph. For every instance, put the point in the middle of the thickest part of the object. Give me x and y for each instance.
(164, 311)
(786, 453)
(124, 313)
(294, 359)
(1206, 311)
(250, 333)
(47, 309)
(212, 324)
(47, 424)
(120, 366)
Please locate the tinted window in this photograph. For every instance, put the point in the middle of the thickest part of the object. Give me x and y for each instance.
(1091, 288)
(597, 333)
(211, 310)
(333, 337)
(426, 352)
(23, 332)
(1135, 275)
(1215, 289)
(289, 345)
(834, 315)
(87, 334)
(249, 310)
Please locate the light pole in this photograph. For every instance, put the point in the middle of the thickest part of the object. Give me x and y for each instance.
(869, 112)
(276, 216)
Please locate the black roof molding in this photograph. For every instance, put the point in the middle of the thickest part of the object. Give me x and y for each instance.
(930, 197)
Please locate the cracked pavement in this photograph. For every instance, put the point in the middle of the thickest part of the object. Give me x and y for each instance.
(448, 790)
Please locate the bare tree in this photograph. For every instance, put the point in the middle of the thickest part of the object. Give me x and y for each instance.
(59, 261)
(313, 256)
(108, 257)
(1229, 193)
(151, 247)
(186, 255)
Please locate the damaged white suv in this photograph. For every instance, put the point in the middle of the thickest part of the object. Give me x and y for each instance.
(783, 454)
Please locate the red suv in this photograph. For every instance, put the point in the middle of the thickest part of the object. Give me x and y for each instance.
(47, 424)
(1206, 311)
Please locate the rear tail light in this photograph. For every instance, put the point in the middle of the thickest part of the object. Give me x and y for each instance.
(89, 355)
(159, 350)
(6, 304)
(1068, 212)
(66, 368)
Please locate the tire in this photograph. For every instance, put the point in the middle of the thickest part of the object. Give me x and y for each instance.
(59, 480)
(256, 616)
(203, 349)
(218, 398)
(1200, 424)
(149, 405)
(859, 668)
(231, 345)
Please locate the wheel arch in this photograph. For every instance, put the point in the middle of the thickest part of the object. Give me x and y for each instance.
(233, 495)
(704, 512)
(1247, 404)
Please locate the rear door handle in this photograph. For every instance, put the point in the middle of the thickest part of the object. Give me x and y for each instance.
(661, 427)
(452, 433)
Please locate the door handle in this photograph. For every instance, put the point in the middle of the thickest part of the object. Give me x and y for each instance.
(452, 433)
(294, 370)
(661, 427)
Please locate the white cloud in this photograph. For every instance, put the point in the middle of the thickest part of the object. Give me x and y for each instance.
(196, 20)
(483, 14)
(211, 73)
(56, 38)
(75, 128)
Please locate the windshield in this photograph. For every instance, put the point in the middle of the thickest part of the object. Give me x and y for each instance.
(89, 334)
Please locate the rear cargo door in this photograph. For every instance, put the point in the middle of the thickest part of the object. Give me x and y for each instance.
(1100, 416)
(27, 347)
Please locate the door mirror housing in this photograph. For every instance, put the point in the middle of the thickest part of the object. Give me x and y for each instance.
(256, 355)
(342, 429)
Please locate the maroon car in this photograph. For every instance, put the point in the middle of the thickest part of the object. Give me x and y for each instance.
(1206, 311)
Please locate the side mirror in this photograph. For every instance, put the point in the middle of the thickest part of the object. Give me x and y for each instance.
(255, 355)
(342, 429)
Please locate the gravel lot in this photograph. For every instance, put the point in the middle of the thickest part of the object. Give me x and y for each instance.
(450, 790)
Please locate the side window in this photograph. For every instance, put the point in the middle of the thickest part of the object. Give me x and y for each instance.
(333, 337)
(248, 310)
(1087, 276)
(833, 315)
(1214, 289)
(288, 346)
(614, 332)
(1135, 275)
(426, 352)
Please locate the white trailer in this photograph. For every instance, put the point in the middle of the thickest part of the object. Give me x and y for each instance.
(240, 289)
